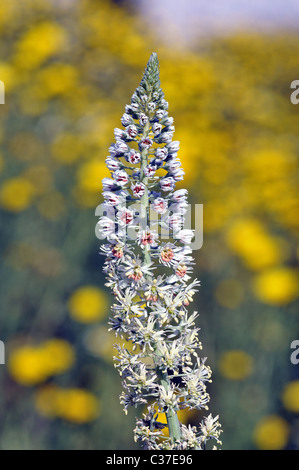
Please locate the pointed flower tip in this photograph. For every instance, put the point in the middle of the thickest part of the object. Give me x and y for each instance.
(151, 73)
(153, 60)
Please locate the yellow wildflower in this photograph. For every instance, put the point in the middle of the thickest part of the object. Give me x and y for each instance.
(90, 174)
(236, 365)
(88, 304)
(271, 433)
(16, 194)
(51, 86)
(30, 365)
(276, 286)
(38, 44)
(257, 249)
(290, 396)
(76, 405)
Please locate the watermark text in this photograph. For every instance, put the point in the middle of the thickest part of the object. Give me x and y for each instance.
(294, 357)
(2, 93)
(2, 353)
(295, 94)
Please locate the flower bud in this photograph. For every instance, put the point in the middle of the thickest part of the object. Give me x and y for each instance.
(166, 137)
(179, 195)
(125, 216)
(185, 236)
(121, 177)
(145, 143)
(173, 146)
(178, 174)
(126, 120)
(108, 184)
(106, 226)
(132, 131)
(138, 189)
(112, 164)
(167, 184)
(143, 119)
(133, 157)
(151, 106)
(150, 170)
(160, 205)
(111, 198)
(157, 128)
(119, 134)
(160, 113)
(121, 147)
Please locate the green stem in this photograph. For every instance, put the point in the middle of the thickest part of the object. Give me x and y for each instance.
(171, 415)
(144, 199)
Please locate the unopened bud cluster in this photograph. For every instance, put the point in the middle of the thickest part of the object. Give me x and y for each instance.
(150, 279)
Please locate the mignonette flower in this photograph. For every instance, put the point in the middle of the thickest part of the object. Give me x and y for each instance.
(150, 278)
(138, 190)
(160, 205)
(133, 157)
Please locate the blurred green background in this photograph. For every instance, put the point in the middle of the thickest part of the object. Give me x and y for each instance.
(69, 68)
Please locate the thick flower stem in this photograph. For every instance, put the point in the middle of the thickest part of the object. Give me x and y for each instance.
(144, 199)
(171, 415)
(173, 425)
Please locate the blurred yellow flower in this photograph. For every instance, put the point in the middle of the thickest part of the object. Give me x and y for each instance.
(216, 213)
(8, 76)
(271, 433)
(75, 405)
(16, 194)
(57, 79)
(60, 355)
(290, 396)
(88, 304)
(78, 406)
(39, 43)
(267, 165)
(30, 365)
(90, 174)
(88, 185)
(235, 365)
(276, 286)
(257, 249)
(7, 12)
(229, 293)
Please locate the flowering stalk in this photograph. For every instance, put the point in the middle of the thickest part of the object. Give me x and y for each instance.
(150, 279)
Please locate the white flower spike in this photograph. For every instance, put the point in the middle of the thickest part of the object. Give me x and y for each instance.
(151, 278)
